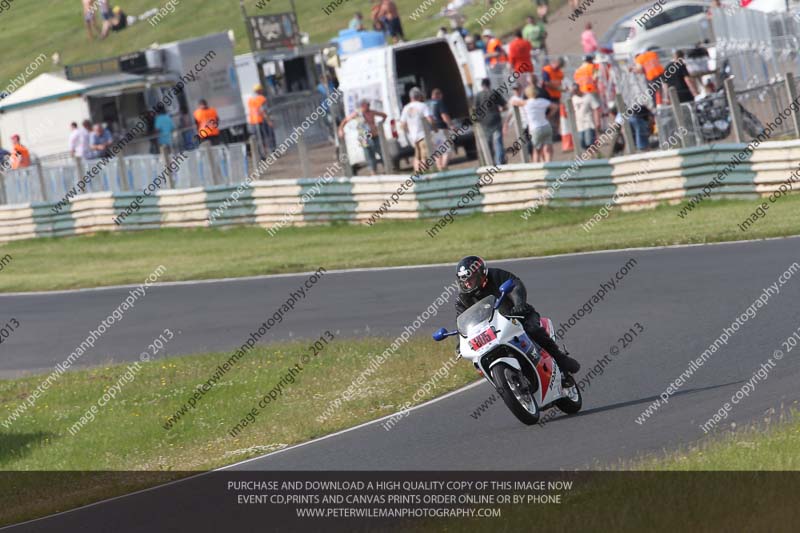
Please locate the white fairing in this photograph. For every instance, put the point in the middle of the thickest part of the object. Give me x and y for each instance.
(506, 331)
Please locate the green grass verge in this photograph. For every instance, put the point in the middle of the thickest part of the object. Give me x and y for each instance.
(203, 253)
(128, 433)
(31, 28)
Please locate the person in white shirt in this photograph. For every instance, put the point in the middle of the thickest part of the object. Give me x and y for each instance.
(79, 140)
(538, 109)
(518, 99)
(412, 121)
(587, 116)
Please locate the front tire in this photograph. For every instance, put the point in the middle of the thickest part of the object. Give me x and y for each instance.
(517, 392)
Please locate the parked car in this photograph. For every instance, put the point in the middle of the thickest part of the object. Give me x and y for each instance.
(678, 24)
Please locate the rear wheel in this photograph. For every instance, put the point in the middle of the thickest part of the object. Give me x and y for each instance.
(573, 401)
(518, 393)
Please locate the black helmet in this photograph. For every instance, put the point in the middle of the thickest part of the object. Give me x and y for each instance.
(472, 274)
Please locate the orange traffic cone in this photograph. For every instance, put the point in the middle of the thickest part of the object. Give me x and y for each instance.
(567, 144)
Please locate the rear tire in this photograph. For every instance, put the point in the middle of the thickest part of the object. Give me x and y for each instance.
(511, 383)
(573, 402)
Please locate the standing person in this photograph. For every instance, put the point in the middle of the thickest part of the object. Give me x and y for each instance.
(538, 109)
(680, 78)
(587, 117)
(520, 55)
(259, 122)
(164, 126)
(518, 100)
(586, 76)
(20, 156)
(553, 78)
(390, 17)
(490, 104)
(589, 40)
(495, 53)
(542, 9)
(412, 121)
(375, 12)
(99, 141)
(89, 18)
(5, 164)
(78, 141)
(641, 120)
(207, 122)
(479, 42)
(368, 135)
(442, 123)
(647, 63)
(535, 33)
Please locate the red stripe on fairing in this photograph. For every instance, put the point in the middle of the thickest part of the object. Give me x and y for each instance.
(546, 361)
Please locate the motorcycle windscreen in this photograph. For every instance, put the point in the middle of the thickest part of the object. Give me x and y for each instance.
(477, 314)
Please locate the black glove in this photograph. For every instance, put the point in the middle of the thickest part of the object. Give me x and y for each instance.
(519, 310)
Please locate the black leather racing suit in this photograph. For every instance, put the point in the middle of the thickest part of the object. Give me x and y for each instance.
(516, 304)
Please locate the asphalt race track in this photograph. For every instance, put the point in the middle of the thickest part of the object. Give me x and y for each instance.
(683, 297)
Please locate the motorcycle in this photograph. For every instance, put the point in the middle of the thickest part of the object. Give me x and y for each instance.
(526, 376)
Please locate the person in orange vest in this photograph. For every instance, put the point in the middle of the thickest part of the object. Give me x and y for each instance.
(20, 156)
(586, 76)
(553, 79)
(494, 48)
(647, 63)
(207, 122)
(259, 121)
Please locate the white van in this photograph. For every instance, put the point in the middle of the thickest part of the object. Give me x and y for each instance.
(384, 76)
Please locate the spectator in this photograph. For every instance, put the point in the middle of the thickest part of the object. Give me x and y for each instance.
(535, 33)
(491, 104)
(412, 121)
(586, 76)
(538, 109)
(518, 100)
(680, 78)
(469, 40)
(553, 78)
(647, 63)
(89, 18)
(79, 140)
(641, 119)
(107, 15)
(479, 44)
(207, 122)
(357, 22)
(119, 20)
(589, 40)
(368, 135)
(5, 160)
(390, 18)
(542, 9)
(494, 48)
(99, 141)
(164, 126)
(442, 32)
(20, 156)
(519, 54)
(442, 123)
(259, 122)
(587, 117)
(375, 12)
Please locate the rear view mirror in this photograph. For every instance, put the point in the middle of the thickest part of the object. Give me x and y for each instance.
(440, 335)
(507, 286)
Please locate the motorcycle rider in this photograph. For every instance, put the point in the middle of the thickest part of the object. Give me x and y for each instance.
(476, 281)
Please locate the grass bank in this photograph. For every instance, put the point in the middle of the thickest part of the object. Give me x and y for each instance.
(204, 253)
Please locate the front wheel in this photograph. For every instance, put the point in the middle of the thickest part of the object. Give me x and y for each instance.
(517, 393)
